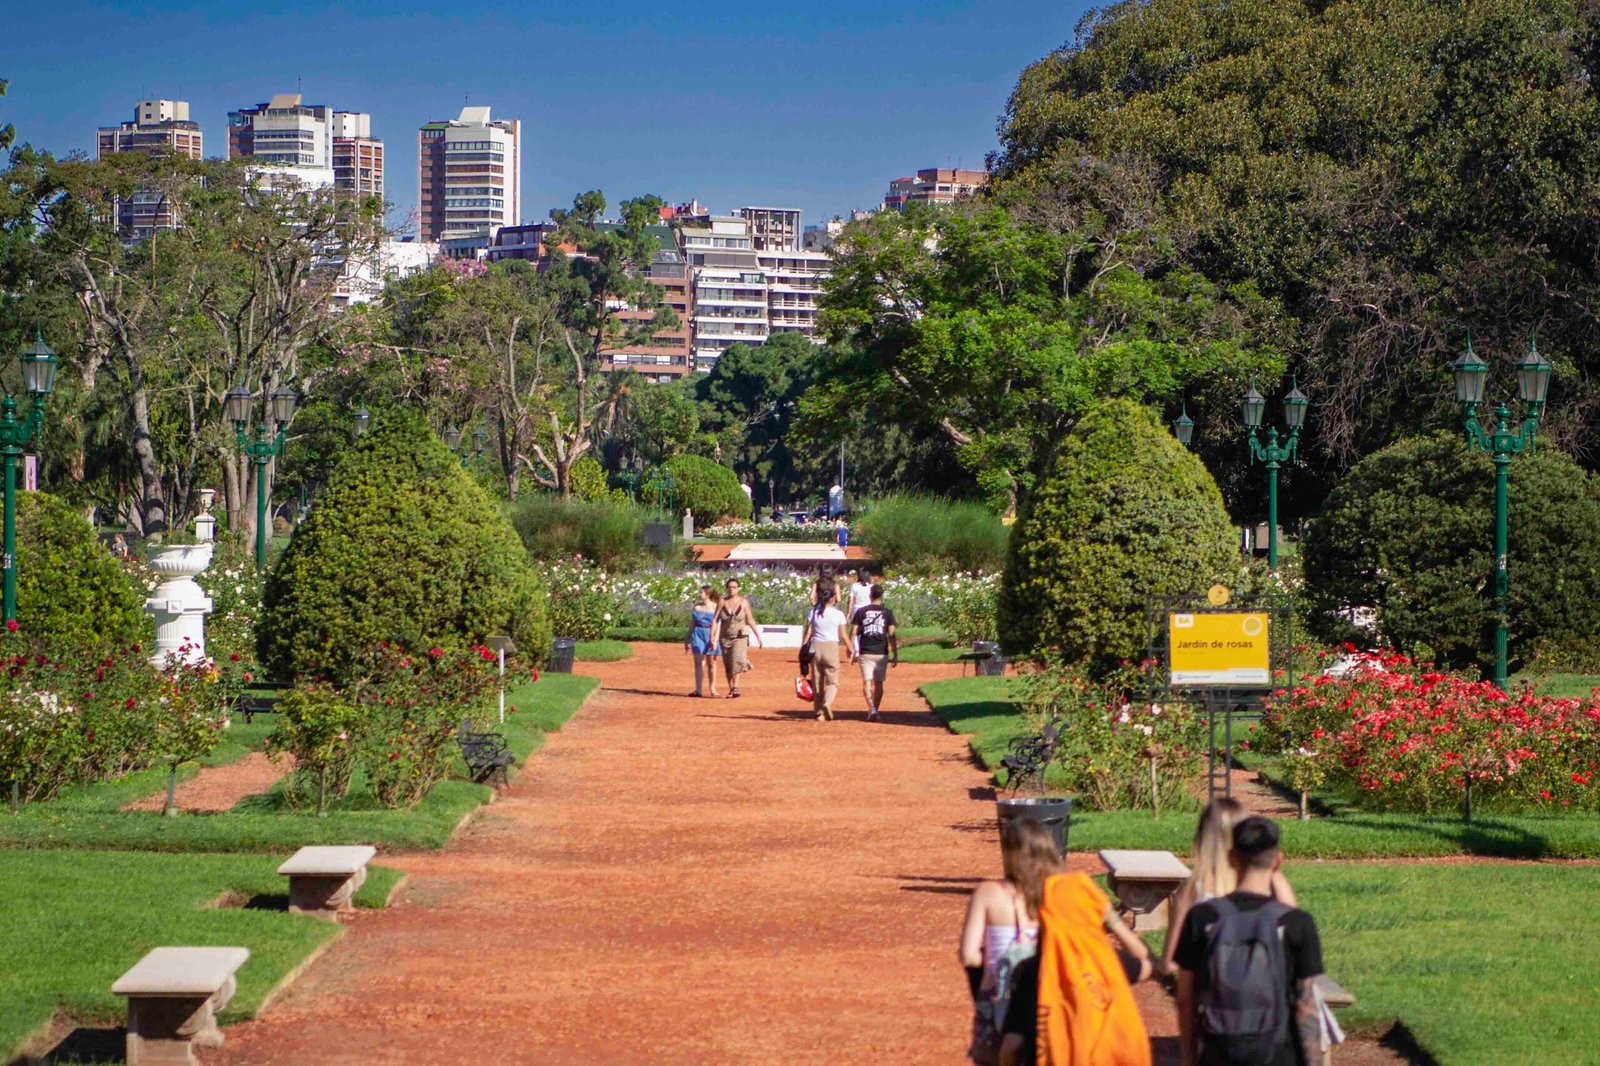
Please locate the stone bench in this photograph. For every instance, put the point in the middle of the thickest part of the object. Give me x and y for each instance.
(1143, 882)
(323, 880)
(173, 998)
(1335, 996)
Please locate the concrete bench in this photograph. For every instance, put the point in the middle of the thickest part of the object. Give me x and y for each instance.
(173, 998)
(1335, 996)
(323, 880)
(1143, 882)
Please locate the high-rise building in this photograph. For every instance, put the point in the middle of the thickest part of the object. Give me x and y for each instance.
(730, 291)
(285, 136)
(158, 127)
(773, 229)
(669, 353)
(934, 185)
(794, 283)
(469, 180)
(357, 154)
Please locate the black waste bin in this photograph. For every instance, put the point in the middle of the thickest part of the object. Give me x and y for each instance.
(1054, 812)
(562, 651)
(992, 666)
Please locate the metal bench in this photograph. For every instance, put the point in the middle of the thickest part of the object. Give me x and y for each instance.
(323, 879)
(173, 998)
(262, 699)
(486, 754)
(1028, 756)
(1143, 882)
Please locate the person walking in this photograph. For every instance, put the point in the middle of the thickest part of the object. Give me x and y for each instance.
(702, 639)
(1001, 928)
(736, 624)
(1247, 968)
(841, 530)
(872, 631)
(824, 580)
(860, 591)
(824, 628)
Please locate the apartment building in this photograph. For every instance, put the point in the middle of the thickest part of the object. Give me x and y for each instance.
(469, 180)
(794, 284)
(934, 185)
(158, 128)
(357, 155)
(363, 279)
(773, 229)
(670, 353)
(730, 290)
(285, 136)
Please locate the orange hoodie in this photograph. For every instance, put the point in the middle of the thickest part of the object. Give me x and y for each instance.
(1087, 1016)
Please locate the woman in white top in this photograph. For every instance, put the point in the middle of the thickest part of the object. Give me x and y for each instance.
(823, 627)
(1003, 914)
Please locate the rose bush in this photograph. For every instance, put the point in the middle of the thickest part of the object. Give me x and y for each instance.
(1405, 736)
(321, 731)
(582, 604)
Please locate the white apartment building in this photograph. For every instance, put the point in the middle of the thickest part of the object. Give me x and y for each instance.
(363, 279)
(794, 284)
(286, 137)
(469, 180)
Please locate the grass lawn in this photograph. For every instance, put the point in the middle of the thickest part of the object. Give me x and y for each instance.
(649, 634)
(90, 817)
(1484, 964)
(72, 925)
(930, 651)
(984, 709)
(1580, 685)
(603, 651)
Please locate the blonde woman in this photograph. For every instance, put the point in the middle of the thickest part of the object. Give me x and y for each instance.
(1002, 924)
(736, 625)
(1213, 876)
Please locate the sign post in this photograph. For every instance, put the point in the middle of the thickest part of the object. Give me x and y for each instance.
(1220, 649)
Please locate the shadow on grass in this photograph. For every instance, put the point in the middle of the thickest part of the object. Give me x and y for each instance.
(84, 1044)
(1402, 1042)
(1494, 839)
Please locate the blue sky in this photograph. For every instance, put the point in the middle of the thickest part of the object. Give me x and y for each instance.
(733, 103)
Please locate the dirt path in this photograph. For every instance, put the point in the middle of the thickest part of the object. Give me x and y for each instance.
(218, 788)
(676, 880)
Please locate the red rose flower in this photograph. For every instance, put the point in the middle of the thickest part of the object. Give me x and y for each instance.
(11, 625)
(234, 657)
(435, 653)
(129, 703)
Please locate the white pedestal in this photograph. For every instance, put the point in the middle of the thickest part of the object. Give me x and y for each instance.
(179, 605)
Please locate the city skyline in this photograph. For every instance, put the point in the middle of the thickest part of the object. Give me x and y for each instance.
(771, 113)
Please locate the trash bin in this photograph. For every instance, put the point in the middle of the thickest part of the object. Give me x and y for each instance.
(1054, 812)
(562, 651)
(995, 664)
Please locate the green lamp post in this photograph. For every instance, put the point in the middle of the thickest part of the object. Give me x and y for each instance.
(1272, 454)
(452, 440)
(1501, 444)
(261, 448)
(38, 380)
(1183, 427)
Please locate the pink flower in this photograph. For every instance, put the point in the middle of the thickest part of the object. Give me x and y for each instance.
(435, 653)
(129, 703)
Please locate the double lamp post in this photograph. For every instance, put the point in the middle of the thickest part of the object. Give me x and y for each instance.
(38, 381)
(262, 448)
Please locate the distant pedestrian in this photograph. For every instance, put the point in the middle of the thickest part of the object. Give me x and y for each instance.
(1247, 968)
(824, 580)
(842, 531)
(736, 624)
(823, 632)
(119, 546)
(860, 592)
(702, 639)
(873, 630)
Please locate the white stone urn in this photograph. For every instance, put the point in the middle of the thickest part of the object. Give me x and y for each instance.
(179, 605)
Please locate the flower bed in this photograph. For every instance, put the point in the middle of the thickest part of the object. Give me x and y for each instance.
(817, 532)
(1398, 736)
(583, 597)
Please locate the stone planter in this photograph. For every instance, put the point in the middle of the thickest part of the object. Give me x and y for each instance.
(179, 605)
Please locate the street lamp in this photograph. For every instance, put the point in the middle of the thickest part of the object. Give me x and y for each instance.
(1272, 454)
(38, 380)
(363, 420)
(1183, 427)
(261, 448)
(1501, 445)
(452, 440)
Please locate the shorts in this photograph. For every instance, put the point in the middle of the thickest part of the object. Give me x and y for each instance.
(874, 668)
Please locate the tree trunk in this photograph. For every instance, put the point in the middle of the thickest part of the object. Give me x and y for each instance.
(155, 511)
(1305, 805)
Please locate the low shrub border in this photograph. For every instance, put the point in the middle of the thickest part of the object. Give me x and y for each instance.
(90, 817)
(988, 710)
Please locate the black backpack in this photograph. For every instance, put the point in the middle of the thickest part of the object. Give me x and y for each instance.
(1244, 1006)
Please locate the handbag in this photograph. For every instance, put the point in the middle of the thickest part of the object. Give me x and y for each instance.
(804, 689)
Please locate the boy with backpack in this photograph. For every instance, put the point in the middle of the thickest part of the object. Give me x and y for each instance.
(1247, 964)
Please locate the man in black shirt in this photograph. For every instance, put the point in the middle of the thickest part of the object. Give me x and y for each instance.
(1256, 857)
(872, 627)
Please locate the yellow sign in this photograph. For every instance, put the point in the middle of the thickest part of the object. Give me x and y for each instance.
(1218, 595)
(1220, 648)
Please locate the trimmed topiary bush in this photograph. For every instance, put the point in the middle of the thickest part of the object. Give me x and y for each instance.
(402, 546)
(69, 587)
(705, 487)
(1409, 532)
(1122, 512)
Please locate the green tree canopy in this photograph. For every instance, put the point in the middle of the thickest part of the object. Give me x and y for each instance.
(1000, 335)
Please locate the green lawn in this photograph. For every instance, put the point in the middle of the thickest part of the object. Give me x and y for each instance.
(603, 651)
(1580, 685)
(71, 925)
(649, 634)
(984, 709)
(930, 651)
(90, 817)
(1484, 964)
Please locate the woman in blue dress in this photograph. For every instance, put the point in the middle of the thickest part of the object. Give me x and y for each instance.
(702, 639)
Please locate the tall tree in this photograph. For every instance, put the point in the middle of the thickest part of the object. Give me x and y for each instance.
(750, 400)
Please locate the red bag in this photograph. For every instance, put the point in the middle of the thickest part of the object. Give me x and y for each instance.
(804, 689)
